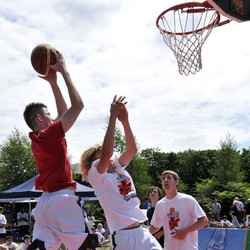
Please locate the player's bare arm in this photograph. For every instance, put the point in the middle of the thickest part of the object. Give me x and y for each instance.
(152, 229)
(70, 115)
(109, 139)
(131, 148)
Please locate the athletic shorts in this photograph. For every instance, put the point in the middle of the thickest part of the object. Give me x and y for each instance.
(136, 238)
(59, 219)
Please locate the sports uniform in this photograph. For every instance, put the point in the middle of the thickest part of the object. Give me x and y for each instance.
(177, 213)
(58, 216)
(117, 196)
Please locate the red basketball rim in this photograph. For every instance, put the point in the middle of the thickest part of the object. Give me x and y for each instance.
(189, 5)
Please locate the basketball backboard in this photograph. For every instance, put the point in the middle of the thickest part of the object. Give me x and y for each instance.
(238, 10)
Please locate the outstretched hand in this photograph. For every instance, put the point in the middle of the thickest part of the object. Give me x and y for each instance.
(116, 106)
(60, 66)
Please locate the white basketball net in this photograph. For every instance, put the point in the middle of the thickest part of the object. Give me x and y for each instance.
(185, 33)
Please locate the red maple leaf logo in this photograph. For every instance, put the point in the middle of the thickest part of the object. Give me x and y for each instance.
(124, 187)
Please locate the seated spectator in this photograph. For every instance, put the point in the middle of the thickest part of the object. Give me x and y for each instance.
(10, 244)
(226, 223)
(247, 223)
(101, 239)
(100, 229)
(214, 223)
(26, 243)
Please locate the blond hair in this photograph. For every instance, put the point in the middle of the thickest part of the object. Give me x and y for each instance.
(235, 202)
(170, 172)
(87, 158)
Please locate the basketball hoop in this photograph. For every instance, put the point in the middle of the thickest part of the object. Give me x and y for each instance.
(185, 28)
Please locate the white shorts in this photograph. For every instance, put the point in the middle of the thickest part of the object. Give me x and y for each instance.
(136, 238)
(59, 219)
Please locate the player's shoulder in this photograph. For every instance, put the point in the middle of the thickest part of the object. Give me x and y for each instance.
(185, 196)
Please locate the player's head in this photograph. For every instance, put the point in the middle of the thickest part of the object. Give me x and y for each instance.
(170, 179)
(88, 157)
(31, 112)
(172, 173)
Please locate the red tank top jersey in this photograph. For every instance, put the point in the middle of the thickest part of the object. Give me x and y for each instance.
(49, 148)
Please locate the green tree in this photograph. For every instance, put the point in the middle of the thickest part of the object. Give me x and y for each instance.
(228, 162)
(157, 162)
(16, 160)
(196, 165)
(245, 164)
(208, 189)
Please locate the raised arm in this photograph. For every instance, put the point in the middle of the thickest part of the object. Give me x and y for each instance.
(109, 139)
(68, 116)
(131, 148)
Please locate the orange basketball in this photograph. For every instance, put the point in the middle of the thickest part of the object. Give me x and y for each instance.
(41, 57)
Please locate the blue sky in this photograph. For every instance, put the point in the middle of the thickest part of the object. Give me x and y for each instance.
(113, 47)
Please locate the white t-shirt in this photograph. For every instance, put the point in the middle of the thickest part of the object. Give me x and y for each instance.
(91, 221)
(239, 206)
(100, 237)
(247, 223)
(12, 245)
(177, 213)
(24, 246)
(2, 220)
(117, 195)
(227, 222)
(101, 231)
(22, 216)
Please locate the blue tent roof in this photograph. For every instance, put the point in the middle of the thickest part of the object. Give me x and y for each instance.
(27, 190)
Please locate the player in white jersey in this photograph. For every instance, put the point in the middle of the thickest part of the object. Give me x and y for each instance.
(179, 214)
(114, 186)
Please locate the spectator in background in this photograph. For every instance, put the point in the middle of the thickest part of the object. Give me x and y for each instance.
(26, 242)
(226, 223)
(155, 194)
(247, 208)
(10, 244)
(23, 222)
(216, 208)
(240, 208)
(234, 213)
(214, 223)
(147, 203)
(91, 219)
(3, 223)
(100, 229)
(247, 223)
(101, 239)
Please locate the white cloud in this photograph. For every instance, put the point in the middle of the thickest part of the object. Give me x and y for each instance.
(113, 47)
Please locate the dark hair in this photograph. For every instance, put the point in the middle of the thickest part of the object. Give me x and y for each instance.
(31, 111)
(158, 190)
(26, 237)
